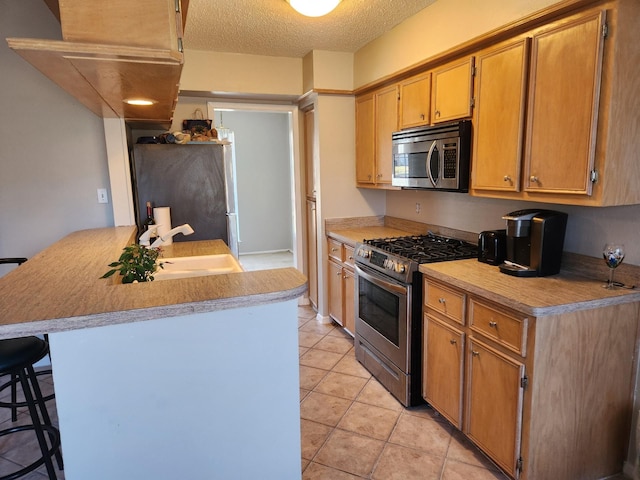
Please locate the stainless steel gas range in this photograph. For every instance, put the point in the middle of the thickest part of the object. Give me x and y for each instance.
(388, 306)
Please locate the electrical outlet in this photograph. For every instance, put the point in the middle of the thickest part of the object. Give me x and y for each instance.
(102, 195)
(417, 208)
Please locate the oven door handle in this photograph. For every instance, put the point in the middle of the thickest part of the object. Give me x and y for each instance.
(433, 146)
(392, 287)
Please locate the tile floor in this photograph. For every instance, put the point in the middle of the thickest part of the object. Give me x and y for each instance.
(353, 428)
(20, 449)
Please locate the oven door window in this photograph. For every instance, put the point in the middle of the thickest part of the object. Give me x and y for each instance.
(380, 309)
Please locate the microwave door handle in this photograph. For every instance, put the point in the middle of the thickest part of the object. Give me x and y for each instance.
(433, 146)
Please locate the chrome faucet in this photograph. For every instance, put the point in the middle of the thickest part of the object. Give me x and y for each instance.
(183, 229)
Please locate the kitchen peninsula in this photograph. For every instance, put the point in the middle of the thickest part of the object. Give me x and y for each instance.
(191, 378)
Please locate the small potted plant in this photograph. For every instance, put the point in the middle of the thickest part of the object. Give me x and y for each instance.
(136, 264)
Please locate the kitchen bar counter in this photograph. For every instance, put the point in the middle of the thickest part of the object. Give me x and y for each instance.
(537, 296)
(161, 379)
(60, 288)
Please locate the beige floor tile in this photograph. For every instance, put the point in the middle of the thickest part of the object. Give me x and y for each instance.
(320, 359)
(369, 420)
(351, 366)
(303, 393)
(375, 394)
(423, 434)
(341, 385)
(315, 471)
(350, 452)
(335, 344)
(302, 351)
(308, 339)
(401, 463)
(461, 471)
(325, 409)
(313, 435)
(462, 450)
(310, 377)
(318, 327)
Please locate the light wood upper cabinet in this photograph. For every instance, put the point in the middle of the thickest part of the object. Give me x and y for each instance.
(452, 90)
(365, 139)
(415, 101)
(500, 90)
(96, 65)
(376, 120)
(566, 67)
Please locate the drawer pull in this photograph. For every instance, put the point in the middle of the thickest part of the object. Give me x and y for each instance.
(493, 324)
(442, 300)
(453, 341)
(474, 353)
(338, 274)
(334, 249)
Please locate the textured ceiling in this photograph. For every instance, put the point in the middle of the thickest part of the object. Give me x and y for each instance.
(272, 27)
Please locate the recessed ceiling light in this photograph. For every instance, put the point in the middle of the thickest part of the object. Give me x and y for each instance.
(139, 101)
(313, 8)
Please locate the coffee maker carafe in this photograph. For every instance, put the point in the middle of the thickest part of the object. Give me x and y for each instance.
(535, 239)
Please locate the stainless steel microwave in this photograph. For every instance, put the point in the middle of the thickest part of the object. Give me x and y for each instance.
(433, 157)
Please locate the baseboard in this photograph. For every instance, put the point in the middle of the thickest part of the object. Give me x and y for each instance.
(326, 319)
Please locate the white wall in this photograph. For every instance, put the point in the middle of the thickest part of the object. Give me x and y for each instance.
(52, 156)
(263, 166)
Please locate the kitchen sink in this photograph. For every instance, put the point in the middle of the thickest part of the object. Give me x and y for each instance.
(196, 266)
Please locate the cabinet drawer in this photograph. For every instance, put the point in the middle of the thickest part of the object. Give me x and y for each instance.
(334, 249)
(507, 329)
(449, 303)
(348, 254)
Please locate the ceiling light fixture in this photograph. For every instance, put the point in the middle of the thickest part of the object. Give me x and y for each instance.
(313, 8)
(139, 101)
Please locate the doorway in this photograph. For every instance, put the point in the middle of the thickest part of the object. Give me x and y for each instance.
(265, 161)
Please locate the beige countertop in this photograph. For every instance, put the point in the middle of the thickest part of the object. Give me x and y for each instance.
(537, 296)
(60, 288)
(353, 235)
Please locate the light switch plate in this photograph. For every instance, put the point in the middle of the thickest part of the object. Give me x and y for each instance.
(102, 195)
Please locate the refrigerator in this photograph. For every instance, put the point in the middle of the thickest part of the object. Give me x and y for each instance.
(197, 181)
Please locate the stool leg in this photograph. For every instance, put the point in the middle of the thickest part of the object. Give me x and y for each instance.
(43, 408)
(14, 396)
(25, 377)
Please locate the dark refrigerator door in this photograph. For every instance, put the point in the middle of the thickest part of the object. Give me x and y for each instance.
(187, 178)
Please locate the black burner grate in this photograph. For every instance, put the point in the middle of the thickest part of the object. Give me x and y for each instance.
(427, 248)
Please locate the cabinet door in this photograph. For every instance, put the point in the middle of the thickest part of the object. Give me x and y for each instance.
(443, 364)
(452, 90)
(566, 65)
(494, 403)
(500, 111)
(386, 124)
(415, 101)
(365, 139)
(312, 252)
(335, 291)
(348, 301)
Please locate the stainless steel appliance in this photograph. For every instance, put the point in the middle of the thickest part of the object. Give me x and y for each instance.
(388, 306)
(433, 157)
(196, 180)
(535, 239)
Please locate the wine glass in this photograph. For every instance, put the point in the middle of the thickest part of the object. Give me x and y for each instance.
(613, 254)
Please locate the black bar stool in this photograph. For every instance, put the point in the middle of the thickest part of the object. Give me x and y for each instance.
(17, 357)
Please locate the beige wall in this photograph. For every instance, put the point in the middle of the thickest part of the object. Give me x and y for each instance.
(234, 72)
(437, 28)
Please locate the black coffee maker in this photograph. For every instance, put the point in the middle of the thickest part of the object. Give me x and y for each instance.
(535, 239)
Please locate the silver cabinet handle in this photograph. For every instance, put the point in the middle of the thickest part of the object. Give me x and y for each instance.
(493, 325)
(507, 178)
(442, 300)
(534, 179)
(452, 341)
(474, 353)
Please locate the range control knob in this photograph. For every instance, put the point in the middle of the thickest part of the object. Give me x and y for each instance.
(364, 253)
(400, 267)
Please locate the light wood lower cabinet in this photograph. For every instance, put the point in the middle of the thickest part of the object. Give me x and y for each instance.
(545, 397)
(341, 285)
(443, 368)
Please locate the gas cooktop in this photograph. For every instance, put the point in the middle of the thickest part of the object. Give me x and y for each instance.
(399, 257)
